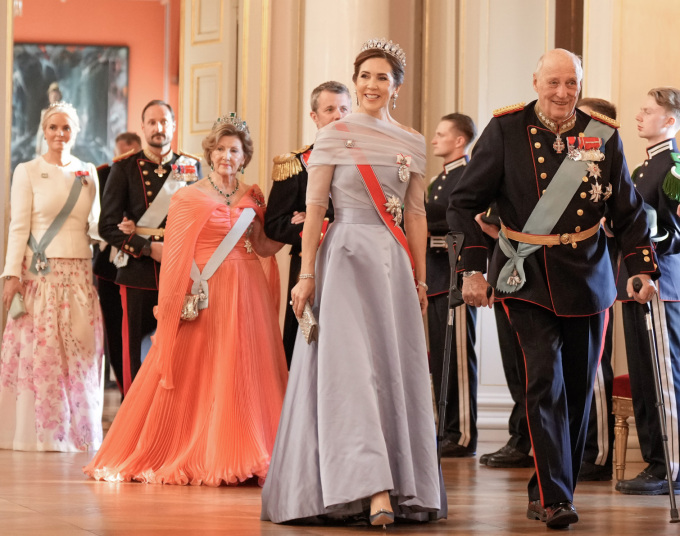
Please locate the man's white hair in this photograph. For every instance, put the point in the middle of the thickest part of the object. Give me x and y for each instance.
(578, 65)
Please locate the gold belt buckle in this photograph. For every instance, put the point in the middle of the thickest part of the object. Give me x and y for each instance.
(565, 238)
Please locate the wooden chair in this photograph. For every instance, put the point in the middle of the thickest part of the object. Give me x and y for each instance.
(622, 408)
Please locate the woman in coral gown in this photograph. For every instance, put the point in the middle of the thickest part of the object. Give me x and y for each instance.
(205, 405)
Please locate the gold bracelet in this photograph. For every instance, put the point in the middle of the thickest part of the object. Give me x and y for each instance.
(306, 276)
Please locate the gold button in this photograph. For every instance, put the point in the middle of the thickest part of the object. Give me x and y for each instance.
(543, 192)
(460, 258)
(585, 179)
(647, 259)
(583, 195)
(149, 192)
(541, 159)
(126, 246)
(579, 212)
(141, 163)
(645, 251)
(439, 187)
(537, 145)
(577, 229)
(646, 162)
(655, 266)
(642, 175)
(157, 237)
(436, 197)
(533, 131)
(148, 183)
(544, 175)
(131, 248)
(581, 134)
(145, 172)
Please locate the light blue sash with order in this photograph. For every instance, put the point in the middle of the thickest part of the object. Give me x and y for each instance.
(39, 260)
(547, 212)
(200, 279)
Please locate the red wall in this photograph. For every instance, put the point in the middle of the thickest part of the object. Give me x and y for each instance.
(137, 24)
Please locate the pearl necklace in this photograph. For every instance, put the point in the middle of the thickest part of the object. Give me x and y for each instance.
(226, 196)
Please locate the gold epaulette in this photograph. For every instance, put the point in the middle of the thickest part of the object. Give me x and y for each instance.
(288, 164)
(103, 166)
(182, 153)
(605, 119)
(505, 110)
(124, 155)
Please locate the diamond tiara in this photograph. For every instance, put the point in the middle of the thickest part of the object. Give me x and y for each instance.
(232, 119)
(393, 49)
(61, 104)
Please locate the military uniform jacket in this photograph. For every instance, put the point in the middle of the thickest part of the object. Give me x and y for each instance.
(651, 179)
(289, 194)
(130, 189)
(438, 270)
(513, 163)
(102, 266)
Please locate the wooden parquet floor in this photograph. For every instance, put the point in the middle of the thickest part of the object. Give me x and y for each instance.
(47, 494)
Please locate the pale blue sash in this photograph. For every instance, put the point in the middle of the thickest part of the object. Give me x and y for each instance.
(546, 213)
(199, 278)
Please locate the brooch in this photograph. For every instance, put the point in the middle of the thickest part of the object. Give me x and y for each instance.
(82, 175)
(349, 143)
(514, 279)
(405, 162)
(393, 206)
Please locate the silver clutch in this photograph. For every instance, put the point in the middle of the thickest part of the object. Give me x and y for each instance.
(17, 308)
(308, 324)
(190, 307)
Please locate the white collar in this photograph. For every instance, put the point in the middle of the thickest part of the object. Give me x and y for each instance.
(462, 161)
(660, 148)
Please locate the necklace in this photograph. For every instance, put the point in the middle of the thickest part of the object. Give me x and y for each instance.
(226, 196)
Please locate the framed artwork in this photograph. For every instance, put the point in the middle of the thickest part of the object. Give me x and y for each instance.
(94, 79)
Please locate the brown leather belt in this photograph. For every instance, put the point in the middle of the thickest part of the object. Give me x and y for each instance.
(550, 240)
(150, 231)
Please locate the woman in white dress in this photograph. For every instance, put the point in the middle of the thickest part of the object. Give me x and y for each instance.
(357, 434)
(51, 360)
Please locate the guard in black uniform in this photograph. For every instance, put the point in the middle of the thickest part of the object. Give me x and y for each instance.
(658, 181)
(288, 197)
(131, 189)
(454, 134)
(551, 266)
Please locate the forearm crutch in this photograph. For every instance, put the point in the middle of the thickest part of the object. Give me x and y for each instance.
(637, 286)
(454, 243)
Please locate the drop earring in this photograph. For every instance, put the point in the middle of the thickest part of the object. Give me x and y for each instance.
(243, 170)
(394, 100)
(212, 166)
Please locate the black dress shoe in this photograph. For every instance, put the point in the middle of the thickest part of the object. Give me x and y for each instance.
(535, 511)
(591, 472)
(484, 458)
(560, 515)
(645, 484)
(509, 457)
(451, 449)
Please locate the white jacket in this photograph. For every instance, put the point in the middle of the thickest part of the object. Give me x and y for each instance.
(39, 191)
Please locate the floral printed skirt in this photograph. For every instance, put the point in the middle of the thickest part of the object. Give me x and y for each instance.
(51, 392)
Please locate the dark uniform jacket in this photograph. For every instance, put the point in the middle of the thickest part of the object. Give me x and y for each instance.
(438, 270)
(513, 163)
(654, 180)
(289, 194)
(131, 187)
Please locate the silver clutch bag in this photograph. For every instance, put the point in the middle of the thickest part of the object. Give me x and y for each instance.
(308, 324)
(190, 307)
(17, 308)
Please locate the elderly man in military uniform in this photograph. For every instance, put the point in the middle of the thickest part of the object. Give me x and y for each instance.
(657, 179)
(127, 144)
(287, 202)
(453, 136)
(139, 189)
(552, 169)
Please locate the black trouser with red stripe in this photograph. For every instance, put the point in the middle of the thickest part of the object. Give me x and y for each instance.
(109, 298)
(561, 355)
(138, 322)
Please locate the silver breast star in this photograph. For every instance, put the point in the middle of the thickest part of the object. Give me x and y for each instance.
(594, 170)
(393, 206)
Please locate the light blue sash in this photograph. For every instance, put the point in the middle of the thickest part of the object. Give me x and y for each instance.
(39, 260)
(199, 278)
(546, 213)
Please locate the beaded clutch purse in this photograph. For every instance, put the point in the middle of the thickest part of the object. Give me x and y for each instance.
(17, 308)
(308, 324)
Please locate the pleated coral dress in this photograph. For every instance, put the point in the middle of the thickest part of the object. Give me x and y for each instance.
(205, 405)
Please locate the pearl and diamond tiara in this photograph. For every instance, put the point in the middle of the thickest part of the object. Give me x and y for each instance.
(393, 49)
